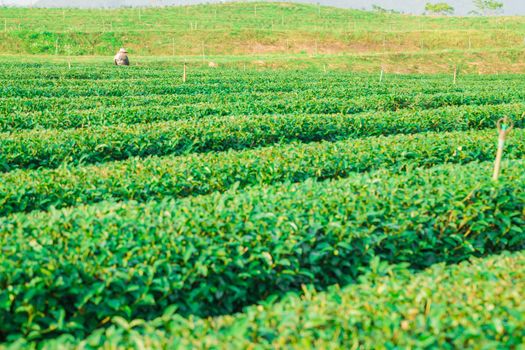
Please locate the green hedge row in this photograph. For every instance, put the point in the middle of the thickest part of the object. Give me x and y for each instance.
(64, 119)
(52, 148)
(67, 89)
(155, 178)
(71, 271)
(102, 71)
(472, 305)
(192, 95)
(168, 81)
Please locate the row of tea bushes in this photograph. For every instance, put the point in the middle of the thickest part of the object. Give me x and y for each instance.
(52, 148)
(478, 304)
(12, 121)
(216, 254)
(155, 178)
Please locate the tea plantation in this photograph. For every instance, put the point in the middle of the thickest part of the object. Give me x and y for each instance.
(252, 208)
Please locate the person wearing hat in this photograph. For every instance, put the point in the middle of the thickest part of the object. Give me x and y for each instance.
(121, 58)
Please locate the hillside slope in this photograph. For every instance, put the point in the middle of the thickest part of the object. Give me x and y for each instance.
(262, 29)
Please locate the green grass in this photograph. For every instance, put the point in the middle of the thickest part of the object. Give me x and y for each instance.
(480, 61)
(273, 33)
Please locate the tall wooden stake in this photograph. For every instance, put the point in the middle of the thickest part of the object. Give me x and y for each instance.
(382, 74)
(184, 73)
(505, 125)
(455, 74)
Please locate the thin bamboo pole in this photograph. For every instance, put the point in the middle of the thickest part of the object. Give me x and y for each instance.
(504, 125)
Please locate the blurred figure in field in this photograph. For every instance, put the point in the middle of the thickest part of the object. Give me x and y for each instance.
(121, 58)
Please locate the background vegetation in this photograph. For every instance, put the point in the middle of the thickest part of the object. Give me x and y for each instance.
(274, 33)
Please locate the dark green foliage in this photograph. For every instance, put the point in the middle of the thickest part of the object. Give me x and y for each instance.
(470, 305)
(68, 271)
(475, 304)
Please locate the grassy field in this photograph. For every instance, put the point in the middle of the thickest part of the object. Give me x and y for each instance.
(493, 61)
(272, 33)
(282, 199)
